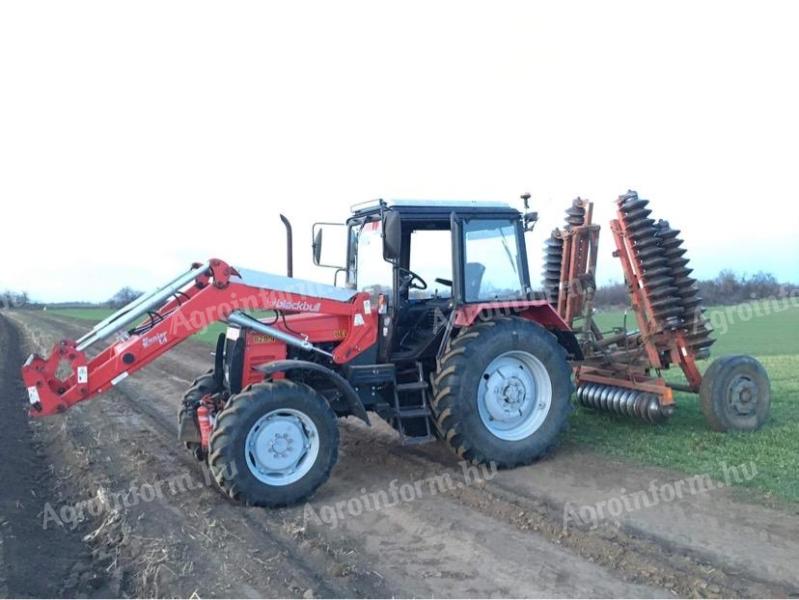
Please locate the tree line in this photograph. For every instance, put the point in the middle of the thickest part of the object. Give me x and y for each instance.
(12, 299)
(726, 288)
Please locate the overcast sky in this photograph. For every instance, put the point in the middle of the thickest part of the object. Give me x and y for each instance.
(137, 137)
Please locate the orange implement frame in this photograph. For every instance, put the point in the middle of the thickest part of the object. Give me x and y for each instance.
(641, 303)
(661, 346)
(578, 267)
(655, 346)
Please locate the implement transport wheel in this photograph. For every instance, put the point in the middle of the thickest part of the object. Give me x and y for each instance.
(502, 392)
(735, 394)
(274, 444)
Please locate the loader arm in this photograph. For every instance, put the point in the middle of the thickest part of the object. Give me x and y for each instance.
(157, 322)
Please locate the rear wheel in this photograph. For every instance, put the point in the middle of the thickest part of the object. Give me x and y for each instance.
(735, 394)
(502, 393)
(274, 444)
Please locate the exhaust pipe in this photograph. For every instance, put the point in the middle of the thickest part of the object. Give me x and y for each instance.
(289, 247)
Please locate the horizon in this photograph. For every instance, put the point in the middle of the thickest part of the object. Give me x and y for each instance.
(600, 284)
(741, 277)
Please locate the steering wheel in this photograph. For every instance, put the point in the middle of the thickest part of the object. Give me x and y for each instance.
(414, 281)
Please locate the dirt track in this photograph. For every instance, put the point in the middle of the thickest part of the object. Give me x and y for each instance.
(501, 536)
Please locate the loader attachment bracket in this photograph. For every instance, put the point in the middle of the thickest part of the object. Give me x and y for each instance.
(42, 379)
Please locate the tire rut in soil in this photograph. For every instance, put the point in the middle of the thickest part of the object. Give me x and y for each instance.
(636, 555)
(28, 550)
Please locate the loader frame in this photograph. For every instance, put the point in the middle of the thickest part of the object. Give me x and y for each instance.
(208, 292)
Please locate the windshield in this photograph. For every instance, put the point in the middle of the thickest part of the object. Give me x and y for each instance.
(493, 264)
(368, 272)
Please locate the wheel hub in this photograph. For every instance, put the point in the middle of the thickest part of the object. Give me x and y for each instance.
(514, 395)
(513, 392)
(743, 394)
(281, 447)
(505, 399)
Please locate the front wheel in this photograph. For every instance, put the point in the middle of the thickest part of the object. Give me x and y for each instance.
(503, 392)
(274, 444)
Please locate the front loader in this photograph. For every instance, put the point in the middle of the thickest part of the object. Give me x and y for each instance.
(436, 329)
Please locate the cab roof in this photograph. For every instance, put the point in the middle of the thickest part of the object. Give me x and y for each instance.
(430, 207)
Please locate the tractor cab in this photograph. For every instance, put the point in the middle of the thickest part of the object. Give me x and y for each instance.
(421, 260)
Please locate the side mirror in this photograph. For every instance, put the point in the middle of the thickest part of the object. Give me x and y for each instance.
(317, 247)
(335, 252)
(392, 237)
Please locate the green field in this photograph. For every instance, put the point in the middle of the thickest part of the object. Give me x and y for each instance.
(90, 314)
(685, 443)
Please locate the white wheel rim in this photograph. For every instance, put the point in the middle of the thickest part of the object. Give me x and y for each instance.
(281, 447)
(514, 396)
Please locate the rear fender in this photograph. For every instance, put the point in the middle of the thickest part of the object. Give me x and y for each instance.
(537, 311)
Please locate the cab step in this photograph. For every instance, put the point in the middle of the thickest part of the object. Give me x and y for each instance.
(413, 419)
(413, 386)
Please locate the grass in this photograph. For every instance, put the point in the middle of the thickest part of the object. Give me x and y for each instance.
(685, 443)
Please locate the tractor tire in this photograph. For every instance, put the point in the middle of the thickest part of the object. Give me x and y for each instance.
(274, 444)
(491, 371)
(188, 429)
(735, 394)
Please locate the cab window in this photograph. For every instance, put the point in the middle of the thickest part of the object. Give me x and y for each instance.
(431, 259)
(493, 263)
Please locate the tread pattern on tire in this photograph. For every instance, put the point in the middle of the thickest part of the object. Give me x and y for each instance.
(202, 385)
(446, 386)
(233, 420)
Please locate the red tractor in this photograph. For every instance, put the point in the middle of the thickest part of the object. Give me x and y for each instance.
(437, 330)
